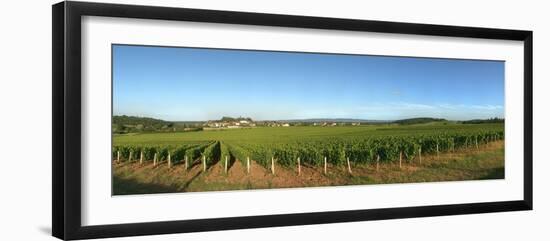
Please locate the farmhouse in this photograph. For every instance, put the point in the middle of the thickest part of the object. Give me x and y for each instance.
(232, 123)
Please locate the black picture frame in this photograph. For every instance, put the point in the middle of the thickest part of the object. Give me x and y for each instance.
(66, 127)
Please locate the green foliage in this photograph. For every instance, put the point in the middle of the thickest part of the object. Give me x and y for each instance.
(224, 152)
(420, 120)
(227, 118)
(238, 152)
(212, 153)
(127, 124)
(178, 153)
(485, 121)
(361, 144)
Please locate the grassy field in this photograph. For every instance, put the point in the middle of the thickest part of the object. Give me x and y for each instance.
(286, 134)
(470, 162)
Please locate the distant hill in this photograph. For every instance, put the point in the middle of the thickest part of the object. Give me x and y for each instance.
(420, 120)
(483, 121)
(125, 124)
(135, 120)
(134, 124)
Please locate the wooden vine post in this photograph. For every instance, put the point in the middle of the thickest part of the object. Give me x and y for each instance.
(186, 163)
(130, 157)
(477, 147)
(437, 149)
(141, 158)
(349, 166)
(203, 163)
(226, 164)
(325, 165)
(272, 165)
(400, 157)
(169, 160)
(299, 167)
(247, 164)
(155, 160)
(118, 156)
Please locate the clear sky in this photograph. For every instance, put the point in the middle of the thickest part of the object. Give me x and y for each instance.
(205, 84)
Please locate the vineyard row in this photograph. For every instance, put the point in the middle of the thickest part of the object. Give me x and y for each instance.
(337, 151)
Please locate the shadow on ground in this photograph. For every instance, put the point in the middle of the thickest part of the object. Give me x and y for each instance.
(122, 186)
(495, 173)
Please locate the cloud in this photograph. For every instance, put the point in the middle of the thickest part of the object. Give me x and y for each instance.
(487, 107)
(401, 110)
(414, 106)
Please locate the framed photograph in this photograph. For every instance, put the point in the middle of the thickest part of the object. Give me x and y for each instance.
(169, 120)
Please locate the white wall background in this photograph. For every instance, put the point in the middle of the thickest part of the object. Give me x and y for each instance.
(25, 122)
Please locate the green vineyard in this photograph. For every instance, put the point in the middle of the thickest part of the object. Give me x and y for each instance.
(312, 145)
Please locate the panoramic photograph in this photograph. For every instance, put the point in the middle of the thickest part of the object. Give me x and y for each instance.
(202, 119)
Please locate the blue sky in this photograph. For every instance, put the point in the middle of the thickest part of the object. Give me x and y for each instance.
(204, 84)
